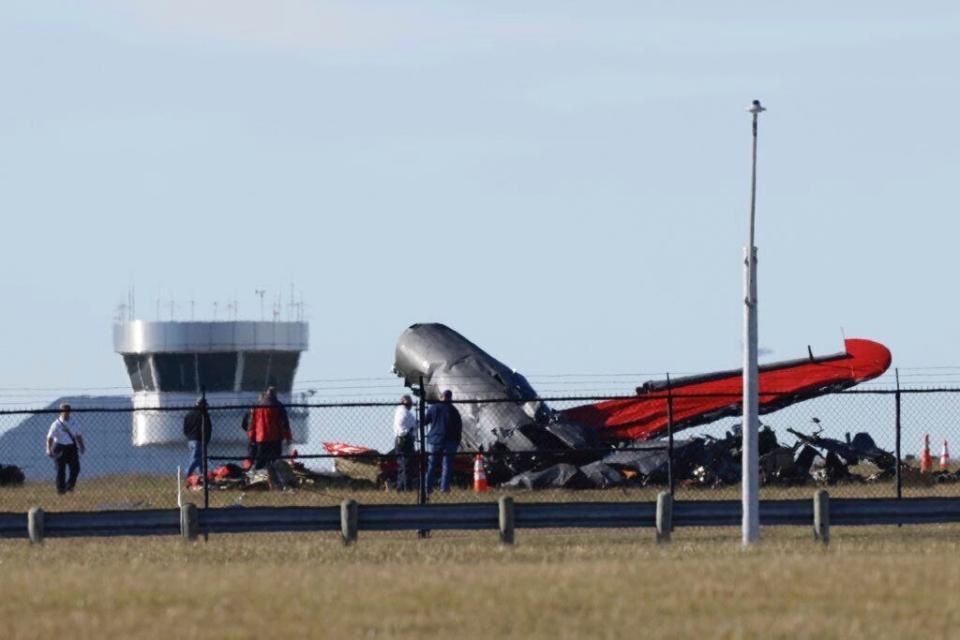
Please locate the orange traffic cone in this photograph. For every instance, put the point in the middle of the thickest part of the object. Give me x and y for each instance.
(944, 457)
(479, 475)
(926, 463)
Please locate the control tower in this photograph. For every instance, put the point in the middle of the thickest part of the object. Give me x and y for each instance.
(169, 362)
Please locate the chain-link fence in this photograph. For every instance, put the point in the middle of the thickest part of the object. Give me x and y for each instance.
(850, 441)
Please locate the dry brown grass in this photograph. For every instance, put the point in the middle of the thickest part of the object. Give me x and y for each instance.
(160, 492)
(871, 583)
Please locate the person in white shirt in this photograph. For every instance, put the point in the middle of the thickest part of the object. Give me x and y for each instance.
(65, 445)
(404, 428)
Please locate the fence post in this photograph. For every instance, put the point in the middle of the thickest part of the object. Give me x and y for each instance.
(664, 516)
(821, 516)
(506, 519)
(670, 481)
(422, 413)
(204, 421)
(189, 522)
(35, 525)
(348, 520)
(421, 416)
(898, 430)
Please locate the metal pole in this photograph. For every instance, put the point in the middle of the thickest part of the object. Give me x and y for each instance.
(670, 480)
(422, 412)
(751, 398)
(896, 373)
(203, 444)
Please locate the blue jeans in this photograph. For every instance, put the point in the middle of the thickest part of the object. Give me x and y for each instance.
(446, 451)
(196, 457)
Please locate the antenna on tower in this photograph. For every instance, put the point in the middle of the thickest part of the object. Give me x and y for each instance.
(260, 293)
(131, 303)
(301, 309)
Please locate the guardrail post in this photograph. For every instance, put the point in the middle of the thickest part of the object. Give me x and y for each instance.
(35, 525)
(664, 516)
(348, 520)
(506, 519)
(189, 521)
(821, 516)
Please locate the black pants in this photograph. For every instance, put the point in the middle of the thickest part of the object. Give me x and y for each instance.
(65, 455)
(404, 450)
(267, 452)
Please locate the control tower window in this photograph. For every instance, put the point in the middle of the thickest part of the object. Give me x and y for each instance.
(255, 368)
(263, 369)
(283, 366)
(177, 371)
(217, 371)
(138, 368)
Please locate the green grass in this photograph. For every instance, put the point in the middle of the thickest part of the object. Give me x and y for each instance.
(871, 583)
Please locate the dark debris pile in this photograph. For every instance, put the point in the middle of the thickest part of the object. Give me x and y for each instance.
(702, 461)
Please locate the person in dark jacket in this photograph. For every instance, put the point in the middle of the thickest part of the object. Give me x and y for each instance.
(196, 425)
(443, 439)
(269, 428)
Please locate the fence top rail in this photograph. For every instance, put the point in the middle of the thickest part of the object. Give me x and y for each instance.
(657, 395)
(372, 453)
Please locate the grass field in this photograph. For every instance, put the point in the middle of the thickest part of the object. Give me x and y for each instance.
(871, 583)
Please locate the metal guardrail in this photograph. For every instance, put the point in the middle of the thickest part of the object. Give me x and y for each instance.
(391, 517)
(474, 516)
(728, 513)
(869, 511)
(267, 519)
(13, 525)
(145, 522)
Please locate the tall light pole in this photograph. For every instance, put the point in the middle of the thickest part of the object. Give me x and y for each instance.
(751, 388)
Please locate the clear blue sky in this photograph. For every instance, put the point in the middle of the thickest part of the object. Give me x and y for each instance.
(566, 183)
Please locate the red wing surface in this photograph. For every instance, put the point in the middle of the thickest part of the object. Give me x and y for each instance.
(702, 399)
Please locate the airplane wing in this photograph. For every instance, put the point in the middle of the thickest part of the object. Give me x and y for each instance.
(701, 399)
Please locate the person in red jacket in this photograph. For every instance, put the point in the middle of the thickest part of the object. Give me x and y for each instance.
(269, 428)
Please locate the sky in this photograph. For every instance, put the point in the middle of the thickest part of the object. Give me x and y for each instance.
(565, 183)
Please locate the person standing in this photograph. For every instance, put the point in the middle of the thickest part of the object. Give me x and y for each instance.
(404, 426)
(269, 428)
(251, 443)
(65, 445)
(443, 440)
(197, 425)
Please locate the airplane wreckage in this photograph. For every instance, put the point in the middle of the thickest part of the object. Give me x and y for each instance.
(528, 444)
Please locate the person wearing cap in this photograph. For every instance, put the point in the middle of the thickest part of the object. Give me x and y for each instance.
(197, 425)
(404, 425)
(65, 445)
(269, 427)
(443, 439)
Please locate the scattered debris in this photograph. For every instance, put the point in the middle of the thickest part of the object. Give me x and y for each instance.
(11, 475)
(703, 461)
(280, 475)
